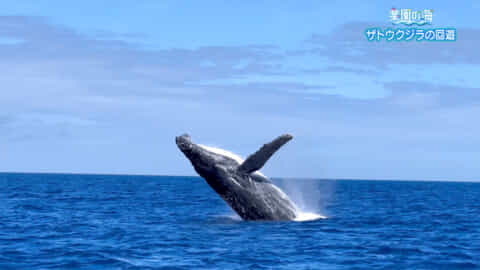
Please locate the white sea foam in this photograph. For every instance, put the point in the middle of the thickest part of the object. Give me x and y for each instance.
(307, 216)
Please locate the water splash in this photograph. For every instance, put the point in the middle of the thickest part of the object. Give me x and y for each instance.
(311, 196)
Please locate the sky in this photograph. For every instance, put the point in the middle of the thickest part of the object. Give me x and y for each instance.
(90, 87)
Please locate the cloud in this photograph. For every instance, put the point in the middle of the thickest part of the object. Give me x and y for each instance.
(434, 94)
(54, 69)
(5, 120)
(347, 43)
(44, 43)
(342, 69)
(72, 102)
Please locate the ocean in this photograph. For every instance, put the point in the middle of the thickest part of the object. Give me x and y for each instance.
(72, 221)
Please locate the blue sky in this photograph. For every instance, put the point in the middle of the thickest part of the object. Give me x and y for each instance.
(105, 87)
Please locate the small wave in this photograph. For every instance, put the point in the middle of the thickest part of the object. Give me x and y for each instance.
(226, 219)
(233, 217)
(308, 216)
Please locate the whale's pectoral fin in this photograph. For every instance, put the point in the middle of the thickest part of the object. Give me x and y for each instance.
(256, 161)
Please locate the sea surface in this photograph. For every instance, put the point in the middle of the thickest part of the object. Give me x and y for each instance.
(61, 221)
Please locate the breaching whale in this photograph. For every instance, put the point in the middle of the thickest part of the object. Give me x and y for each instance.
(251, 194)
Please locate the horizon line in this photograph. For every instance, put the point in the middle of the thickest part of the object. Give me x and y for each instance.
(273, 177)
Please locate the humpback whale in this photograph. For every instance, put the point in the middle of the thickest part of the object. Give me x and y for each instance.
(240, 183)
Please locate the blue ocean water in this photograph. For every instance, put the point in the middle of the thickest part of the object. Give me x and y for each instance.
(60, 221)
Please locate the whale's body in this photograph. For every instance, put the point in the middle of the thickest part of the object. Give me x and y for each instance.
(250, 193)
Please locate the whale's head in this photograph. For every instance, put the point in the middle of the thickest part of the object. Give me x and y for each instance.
(217, 166)
(200, 158)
